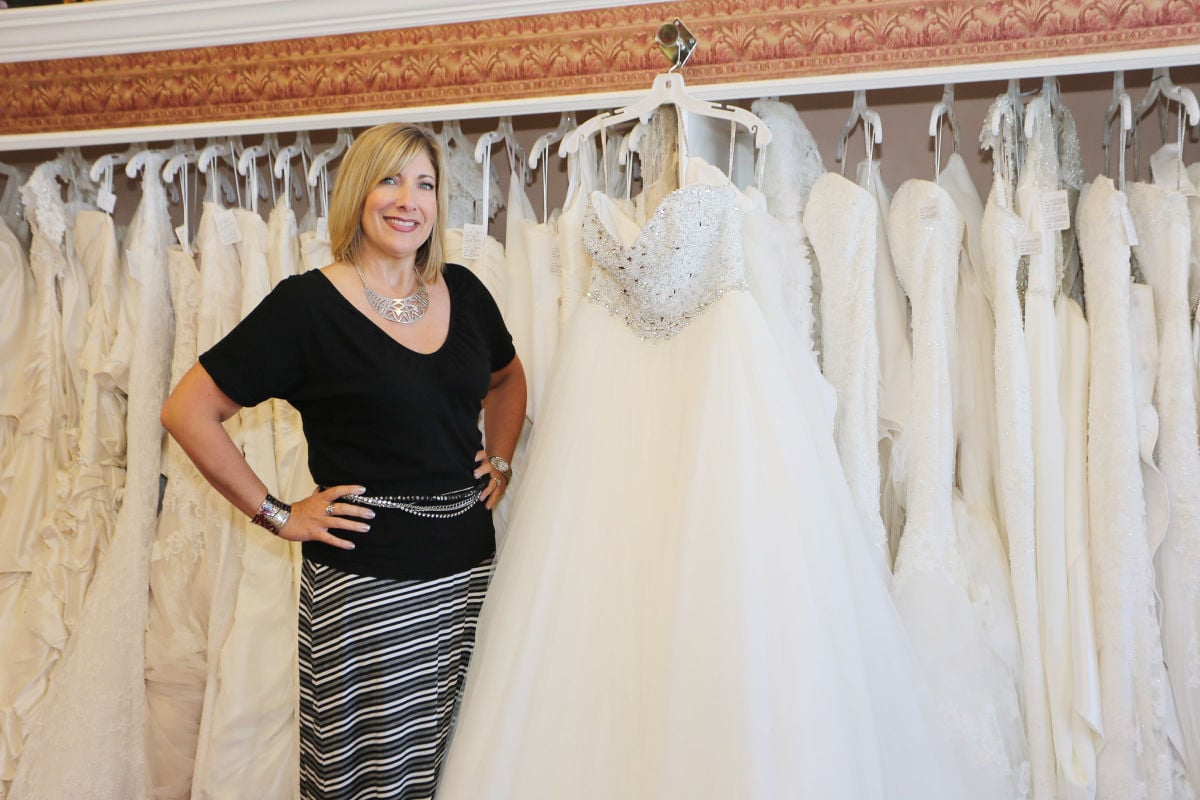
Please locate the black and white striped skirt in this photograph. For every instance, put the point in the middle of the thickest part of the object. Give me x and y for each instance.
(382, 666)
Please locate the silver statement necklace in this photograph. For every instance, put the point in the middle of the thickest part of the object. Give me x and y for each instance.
(405, 310)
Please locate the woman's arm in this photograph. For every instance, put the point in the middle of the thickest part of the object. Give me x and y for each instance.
(504, 414)
(193, 415)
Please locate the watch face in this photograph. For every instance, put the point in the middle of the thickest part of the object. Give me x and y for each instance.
(499, 463)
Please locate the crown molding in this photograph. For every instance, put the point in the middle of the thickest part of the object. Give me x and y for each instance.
(113, 27)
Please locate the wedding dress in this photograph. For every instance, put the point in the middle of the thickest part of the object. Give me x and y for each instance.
(1164, 228)
(895, 363)
(976, 495)
(45, 447)
(689, 609)
(841, 221)
(944, 557)
(1130, 761)
(1039, 178)
(1000, 230)
(250, 746)
(792, 165)
(16, 332)
(88, 739)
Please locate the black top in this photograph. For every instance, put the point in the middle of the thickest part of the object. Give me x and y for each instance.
(376, 413)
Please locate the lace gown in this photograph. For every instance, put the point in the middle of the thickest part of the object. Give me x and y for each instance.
(791, 168)
(1129, 764)
(841, 221)
(175, 632)
(686, 607)
(944, 560)
(1163, 225)
(999, 233)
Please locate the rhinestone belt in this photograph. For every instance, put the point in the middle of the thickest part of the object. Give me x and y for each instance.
(433, 506)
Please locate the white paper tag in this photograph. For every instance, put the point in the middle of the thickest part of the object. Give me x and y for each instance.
(1056, 211)
(1130, 230)
(323, 229)
(929, 211)
(106, 200)
(227, 227)
(1029, 244)
(182, 235)
(555, 260)
(474, 235)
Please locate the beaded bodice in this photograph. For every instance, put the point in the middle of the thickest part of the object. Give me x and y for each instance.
(686, 256)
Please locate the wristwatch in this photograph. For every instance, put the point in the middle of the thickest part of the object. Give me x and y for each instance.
(502, 466)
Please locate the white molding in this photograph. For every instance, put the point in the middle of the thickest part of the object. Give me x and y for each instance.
(882, 79)
(75, 30)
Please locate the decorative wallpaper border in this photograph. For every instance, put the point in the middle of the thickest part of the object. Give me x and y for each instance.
(569, 53)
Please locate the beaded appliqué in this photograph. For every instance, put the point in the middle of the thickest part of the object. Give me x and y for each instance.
(685, 258)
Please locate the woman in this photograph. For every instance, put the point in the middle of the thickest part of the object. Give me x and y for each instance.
(389, 355)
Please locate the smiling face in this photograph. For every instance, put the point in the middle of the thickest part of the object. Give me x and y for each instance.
(398, 214)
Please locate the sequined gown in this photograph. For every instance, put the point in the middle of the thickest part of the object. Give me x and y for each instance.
(686, 606)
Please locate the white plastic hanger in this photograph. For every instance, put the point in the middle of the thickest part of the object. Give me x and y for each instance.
(218, 181)
(320, 161)
(103, 166)
(283, 162)
(247, 167)
(1120, 104)
(943, 110)
(516, 154)
(872, 126)
(669, 88)
(1162, 87)
(542, 144)
(1051, 92)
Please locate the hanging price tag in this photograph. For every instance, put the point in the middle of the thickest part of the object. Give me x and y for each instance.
(555, 260)
(182, 235)
(227, 227)
(473, 238)
(1029, 244)
(323, 229)
(1130, 230)
(1056, 211)
(106, 200)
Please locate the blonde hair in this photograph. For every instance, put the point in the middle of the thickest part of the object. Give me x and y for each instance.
(377, 153)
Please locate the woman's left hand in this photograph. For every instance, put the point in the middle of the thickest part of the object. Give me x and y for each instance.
(497, 484)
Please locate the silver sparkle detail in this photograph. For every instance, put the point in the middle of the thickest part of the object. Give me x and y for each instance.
(405, 310)
(686, 257)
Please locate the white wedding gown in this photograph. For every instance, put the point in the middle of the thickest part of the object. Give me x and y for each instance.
(1131, 760)
(88, 739)
(999, 232)
(686, 606)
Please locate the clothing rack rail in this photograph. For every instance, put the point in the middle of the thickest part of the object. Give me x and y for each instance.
(807, 85)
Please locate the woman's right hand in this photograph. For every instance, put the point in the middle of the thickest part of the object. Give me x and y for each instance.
(316, 517)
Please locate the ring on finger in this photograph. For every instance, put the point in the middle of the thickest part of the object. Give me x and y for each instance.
(329, 509)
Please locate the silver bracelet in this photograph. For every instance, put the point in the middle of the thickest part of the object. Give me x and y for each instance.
(272, 514)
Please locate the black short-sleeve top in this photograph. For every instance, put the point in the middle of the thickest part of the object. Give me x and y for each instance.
(376, 413)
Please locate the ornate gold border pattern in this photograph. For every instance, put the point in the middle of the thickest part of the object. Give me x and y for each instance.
(568, 53)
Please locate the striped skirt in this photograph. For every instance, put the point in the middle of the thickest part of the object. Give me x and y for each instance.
(382, 666)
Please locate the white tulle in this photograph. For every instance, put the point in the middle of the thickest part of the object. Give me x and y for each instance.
(695, 613)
